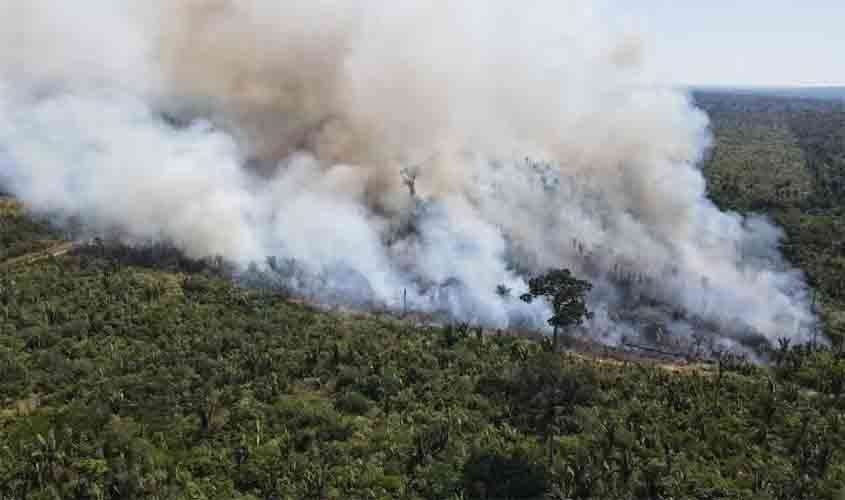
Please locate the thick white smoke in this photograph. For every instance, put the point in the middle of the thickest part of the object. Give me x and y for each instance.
(279, 128)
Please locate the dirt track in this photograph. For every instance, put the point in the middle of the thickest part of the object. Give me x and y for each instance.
(31, 258)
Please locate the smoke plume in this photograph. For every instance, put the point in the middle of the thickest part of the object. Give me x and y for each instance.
(380, 151)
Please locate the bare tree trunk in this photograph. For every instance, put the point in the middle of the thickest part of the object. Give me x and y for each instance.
(554, 339)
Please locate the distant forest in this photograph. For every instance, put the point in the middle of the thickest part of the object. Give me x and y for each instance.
(785, 158)
(831, 93)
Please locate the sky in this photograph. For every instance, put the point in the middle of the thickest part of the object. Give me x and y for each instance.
(739, 42)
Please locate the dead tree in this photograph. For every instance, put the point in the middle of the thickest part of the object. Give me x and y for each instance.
(409, 178)
(410, 173)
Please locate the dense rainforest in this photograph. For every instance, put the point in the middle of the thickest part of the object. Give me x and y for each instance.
(138, 373)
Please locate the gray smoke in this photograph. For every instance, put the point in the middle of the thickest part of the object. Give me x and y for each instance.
(295, 129)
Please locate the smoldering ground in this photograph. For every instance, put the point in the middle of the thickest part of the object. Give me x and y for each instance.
(295, 130)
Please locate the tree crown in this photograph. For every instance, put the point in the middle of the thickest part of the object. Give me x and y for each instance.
(565, 293)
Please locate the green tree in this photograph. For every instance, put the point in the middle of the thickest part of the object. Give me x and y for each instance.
(565, 293)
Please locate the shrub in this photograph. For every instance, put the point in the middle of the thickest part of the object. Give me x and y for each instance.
(490, 474)
(353, 403)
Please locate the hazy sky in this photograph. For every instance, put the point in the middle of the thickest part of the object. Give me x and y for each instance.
(740, 42)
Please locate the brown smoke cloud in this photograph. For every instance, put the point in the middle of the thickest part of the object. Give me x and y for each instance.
(301, 115)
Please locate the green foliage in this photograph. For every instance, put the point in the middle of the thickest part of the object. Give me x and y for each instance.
(785, 158)
(205, 390)
(490, 474)
(565, 293)
(353, 403)
(20, 234)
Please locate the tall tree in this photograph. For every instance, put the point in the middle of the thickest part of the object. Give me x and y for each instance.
(565, 293)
